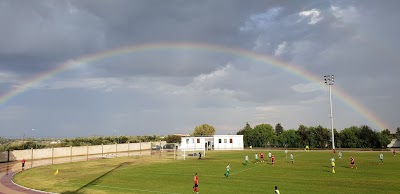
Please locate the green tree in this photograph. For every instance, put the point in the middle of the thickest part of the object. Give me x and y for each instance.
(304, 136)
(398, 133)
(204, 129)
(173, 139)
(386, 131)
(278, 129)
(322, 137)
(264, 135)
(289, 138)
(242, 131)
(383, 139)
(349, 137)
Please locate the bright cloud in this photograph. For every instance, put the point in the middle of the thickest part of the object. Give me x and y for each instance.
(313, 14)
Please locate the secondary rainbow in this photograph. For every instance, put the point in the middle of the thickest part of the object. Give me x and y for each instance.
(339, 93)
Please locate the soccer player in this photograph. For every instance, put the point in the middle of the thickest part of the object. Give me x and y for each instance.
(228, 168)
(333, 166)
(196, 184)
(340, 155)
(352, 162)
(269, 154)
(256, 157)
(23, 164)
(332, 159)
(291, 158)
(246, 160)
(262, 156)
(273, 159)
(276, 190)
(286, 153)
(394, 152)
(381, 158)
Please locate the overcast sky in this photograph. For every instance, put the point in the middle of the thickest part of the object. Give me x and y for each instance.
(172, 90)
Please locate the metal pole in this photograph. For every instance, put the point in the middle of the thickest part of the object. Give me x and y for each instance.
(330, 101)
(329, 80)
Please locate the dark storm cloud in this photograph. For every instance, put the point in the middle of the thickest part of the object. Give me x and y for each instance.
(355, 40)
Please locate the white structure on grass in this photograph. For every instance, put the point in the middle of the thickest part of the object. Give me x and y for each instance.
(215, 142)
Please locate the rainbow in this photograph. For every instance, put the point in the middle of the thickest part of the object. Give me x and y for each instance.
(339, 93)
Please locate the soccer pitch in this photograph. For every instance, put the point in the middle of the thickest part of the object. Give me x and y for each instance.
(310, 173)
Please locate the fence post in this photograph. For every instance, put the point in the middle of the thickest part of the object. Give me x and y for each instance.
(140, 148)
(70, 159)
(87, 153)
(31, 157)
(128, 148)
(116, 149)
(8, 155)
(102, 150)
(52, 155)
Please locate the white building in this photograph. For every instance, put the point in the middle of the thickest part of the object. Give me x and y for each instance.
(216, 142)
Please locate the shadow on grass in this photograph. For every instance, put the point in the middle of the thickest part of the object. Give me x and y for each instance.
(95, 180)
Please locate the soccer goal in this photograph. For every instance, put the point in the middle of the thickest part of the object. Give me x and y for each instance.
(184, 153)
(167, 151)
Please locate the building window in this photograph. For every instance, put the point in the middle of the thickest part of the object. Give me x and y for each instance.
(187, 141)
(198, 140)
(230, 140)
(225, 141)
(219, 141)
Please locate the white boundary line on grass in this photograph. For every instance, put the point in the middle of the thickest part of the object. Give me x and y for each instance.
(133, 189)
(247, 169)
(123, 188)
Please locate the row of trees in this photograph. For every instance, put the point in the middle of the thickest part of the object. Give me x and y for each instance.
(264, 135)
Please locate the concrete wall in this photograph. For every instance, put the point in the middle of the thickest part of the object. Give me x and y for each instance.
(75, 151)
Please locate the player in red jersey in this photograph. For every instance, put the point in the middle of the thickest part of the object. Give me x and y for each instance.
(273, 159)
(262, 156)
(394, 152)
(352, 162)
(196, 184)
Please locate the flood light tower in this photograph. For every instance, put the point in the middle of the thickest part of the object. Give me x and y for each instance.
(329, 80)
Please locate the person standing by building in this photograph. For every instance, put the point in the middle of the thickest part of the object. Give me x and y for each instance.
(23, 163)
(196, 184)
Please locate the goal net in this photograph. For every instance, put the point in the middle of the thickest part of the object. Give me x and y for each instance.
(184, 153)
(167, 150)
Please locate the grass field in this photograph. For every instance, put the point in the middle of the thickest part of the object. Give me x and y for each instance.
(310, 173)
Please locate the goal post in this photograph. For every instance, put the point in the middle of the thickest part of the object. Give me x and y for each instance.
(184, 153)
